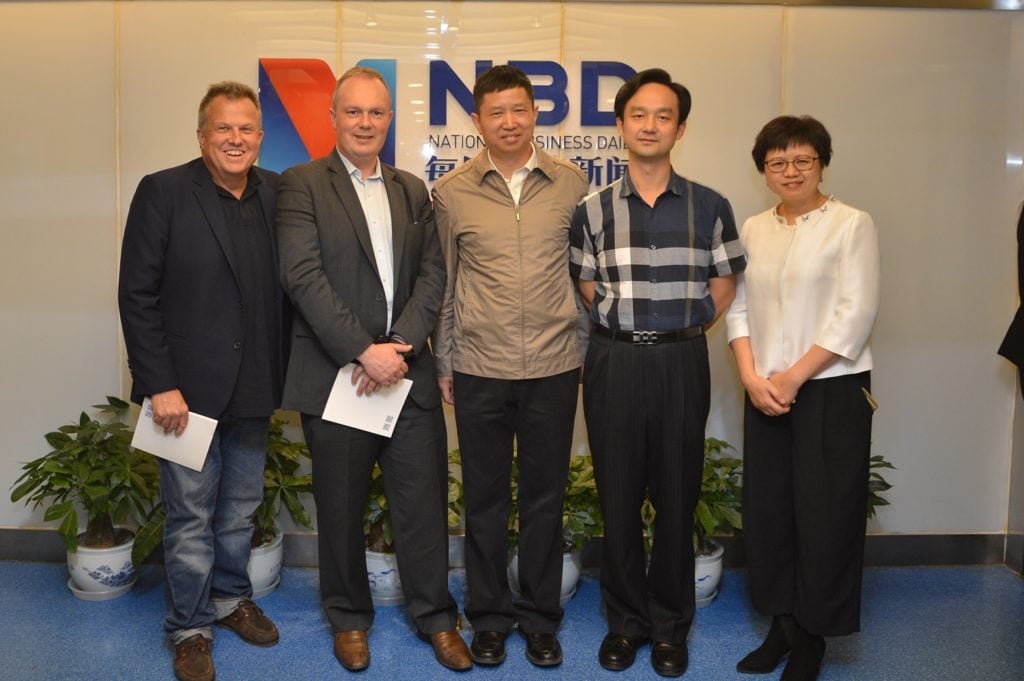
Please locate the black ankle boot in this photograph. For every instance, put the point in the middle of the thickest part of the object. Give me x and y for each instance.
(807, 652)
(766, 657)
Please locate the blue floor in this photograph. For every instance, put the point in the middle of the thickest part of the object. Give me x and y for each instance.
(929, 624)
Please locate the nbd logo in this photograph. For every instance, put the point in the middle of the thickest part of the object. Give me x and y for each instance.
(444, 81)
(295, 96)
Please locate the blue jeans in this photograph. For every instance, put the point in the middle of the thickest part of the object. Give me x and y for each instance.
(208, 534)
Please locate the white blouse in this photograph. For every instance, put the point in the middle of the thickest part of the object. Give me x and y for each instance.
(812, 283)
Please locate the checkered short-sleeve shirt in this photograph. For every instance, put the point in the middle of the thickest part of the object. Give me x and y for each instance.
(652, 264)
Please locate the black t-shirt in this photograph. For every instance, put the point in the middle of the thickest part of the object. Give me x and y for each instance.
(254, 267)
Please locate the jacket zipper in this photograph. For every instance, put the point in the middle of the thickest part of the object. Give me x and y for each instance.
(522, 294)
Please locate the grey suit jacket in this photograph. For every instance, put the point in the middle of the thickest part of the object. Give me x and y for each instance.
(329, 272)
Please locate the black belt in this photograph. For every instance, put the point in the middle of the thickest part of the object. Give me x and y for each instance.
(649, 337)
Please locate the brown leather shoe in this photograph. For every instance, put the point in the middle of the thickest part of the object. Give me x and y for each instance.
(249, 622)
(451, 651)
(351, 649)
(192, 659)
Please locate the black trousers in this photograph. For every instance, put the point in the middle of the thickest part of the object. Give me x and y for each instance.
(646, 408)
(538, 414)
(414, 464)
(805, 477)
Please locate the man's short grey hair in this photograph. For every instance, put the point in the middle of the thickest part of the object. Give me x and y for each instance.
(231, 89)
(358, 72)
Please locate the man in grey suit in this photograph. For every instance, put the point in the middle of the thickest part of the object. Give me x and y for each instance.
(361, 263)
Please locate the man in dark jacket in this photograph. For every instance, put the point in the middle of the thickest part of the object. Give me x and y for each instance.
(201, 309)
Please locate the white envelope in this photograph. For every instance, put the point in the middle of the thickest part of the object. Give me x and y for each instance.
(188, 449)
(376, 413)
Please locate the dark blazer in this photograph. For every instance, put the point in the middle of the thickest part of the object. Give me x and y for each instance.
(330, 274)
(1012, 347)
(179, 297)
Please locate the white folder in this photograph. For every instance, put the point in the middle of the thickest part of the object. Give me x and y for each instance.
(376, 413)
(188, 449)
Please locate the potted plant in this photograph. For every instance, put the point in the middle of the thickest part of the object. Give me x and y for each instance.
(717, 513)
(282, 486)
(381, 563)
(456, 512)
(92, 466)
(581, 522)
(581, 506)
(877, 484)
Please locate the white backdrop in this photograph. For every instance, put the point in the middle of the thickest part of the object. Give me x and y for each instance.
(926, 108)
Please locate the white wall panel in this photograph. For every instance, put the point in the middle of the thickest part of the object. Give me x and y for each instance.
(57, 189)
(920, 108)
(171, 51)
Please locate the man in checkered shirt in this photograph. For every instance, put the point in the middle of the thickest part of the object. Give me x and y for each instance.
(655, 257)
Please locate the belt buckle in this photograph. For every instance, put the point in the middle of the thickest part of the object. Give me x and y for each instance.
(645, 338)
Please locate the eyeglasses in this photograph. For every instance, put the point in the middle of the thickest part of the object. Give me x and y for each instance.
(779, 165)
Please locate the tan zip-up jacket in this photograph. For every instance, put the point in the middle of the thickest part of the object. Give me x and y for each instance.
(509, 308)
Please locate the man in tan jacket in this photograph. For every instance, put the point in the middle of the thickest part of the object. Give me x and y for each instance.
(508, 359)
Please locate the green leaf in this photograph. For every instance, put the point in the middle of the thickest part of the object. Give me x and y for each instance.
(148, 537)
(25, 488)
(704, 517)
(733, 517)
(97, 492)
(68, 531)
(52, 466)
(57, 439)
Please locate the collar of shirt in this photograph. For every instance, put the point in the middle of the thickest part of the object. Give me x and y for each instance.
(820, 210)
(252, 180)
(354, 172)
(515, 183)
(676, 183)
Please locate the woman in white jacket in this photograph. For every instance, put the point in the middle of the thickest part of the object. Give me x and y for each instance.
(799, 328)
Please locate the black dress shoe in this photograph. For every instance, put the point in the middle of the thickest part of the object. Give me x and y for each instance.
(766, 657)
(543, 649)
(669, 659)
(618, 652)
(488, 647)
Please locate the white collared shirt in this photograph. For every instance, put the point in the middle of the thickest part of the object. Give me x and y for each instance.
(812, 283)
(373, 198)
(515, 183)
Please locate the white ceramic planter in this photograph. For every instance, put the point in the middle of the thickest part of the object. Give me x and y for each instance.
(265, 566)
(101, 574)
(385, 583)
(571, 568)
(708, 575)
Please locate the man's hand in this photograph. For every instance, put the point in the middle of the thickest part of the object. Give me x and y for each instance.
(170, 411)
(446, 384)
(380, 364)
